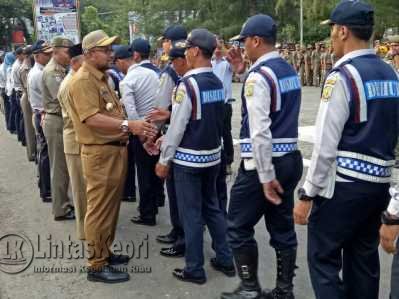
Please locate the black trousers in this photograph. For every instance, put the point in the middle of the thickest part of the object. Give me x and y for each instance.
(248, 205)
(43, 159)
(150, 186)
(221, 186)
(6, 109)
(130, 184)
(177, 227)
(19, 119)
(228, 146)
(12, 113)
(343, 236)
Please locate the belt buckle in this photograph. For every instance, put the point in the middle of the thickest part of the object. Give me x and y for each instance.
(249, 164)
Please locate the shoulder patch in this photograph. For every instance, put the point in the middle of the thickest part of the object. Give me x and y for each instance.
(180, 95)
(249, 87)
(329, 87)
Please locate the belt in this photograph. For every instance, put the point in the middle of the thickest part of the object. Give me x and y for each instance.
(56, 114)
(116, 143)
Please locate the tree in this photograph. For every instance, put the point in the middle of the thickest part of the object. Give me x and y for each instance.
(13, 12)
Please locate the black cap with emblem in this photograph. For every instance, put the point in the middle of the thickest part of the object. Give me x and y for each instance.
(202, 39)
(177, 50)
(351, 12)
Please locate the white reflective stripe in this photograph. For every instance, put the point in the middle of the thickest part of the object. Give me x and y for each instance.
(199, 153)
(362, 94)
(284, 140)
(366, 158)
(196, 165)
(276, 83)
(198, 96)
(276, 140)
(246, 155)
(362, 176)
(245, 140)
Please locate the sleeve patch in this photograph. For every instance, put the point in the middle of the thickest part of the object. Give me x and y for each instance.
(249, 88)
(328, 88)
(180, 95)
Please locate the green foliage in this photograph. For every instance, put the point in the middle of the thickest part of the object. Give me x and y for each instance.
(12, 13)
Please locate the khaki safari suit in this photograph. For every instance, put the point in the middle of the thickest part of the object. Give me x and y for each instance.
(53, 74)
(104, 161)
(73, 160)
(27, 113)
(316, 67)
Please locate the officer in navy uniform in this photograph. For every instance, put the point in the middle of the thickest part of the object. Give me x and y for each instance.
(176, 235)
(271, 165)
(347, 185)
(168, 81)
(116, 74)
(192, 147)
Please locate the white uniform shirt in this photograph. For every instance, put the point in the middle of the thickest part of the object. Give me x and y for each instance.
(35, 92)
(138, 90)
(333, 114)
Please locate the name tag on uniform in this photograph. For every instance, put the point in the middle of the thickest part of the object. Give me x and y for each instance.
(249, 164)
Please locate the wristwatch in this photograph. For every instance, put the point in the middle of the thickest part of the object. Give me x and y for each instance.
(125, 126)
(302, 195)
(388, 219)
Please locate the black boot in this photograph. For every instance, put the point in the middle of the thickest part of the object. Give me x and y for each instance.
(247, 267)
(285, 274)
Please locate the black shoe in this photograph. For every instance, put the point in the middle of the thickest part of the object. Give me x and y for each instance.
(247, 266)
(142, 221)
(167, 239)
(46, 198)
(118, 259)
(172, 252)
(183, 276)
(229, 271)
(68, 216)
(286, 260)
(129, 198)
(278, 293)
(242, 293)
(108, 274)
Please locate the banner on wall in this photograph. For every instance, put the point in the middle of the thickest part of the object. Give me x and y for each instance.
(57, 17)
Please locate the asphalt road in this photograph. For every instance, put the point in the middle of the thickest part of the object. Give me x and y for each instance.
(22, 212)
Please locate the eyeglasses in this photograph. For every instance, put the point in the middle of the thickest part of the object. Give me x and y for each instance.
(105, 50)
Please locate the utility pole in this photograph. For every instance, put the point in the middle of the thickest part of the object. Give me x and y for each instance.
(301, 22)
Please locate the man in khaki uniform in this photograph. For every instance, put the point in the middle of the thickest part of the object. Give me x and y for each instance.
(296, 57)
(71, 147)
(30, 134)
(102, 129)
(308, 66)
(53, 74)
(316, 65)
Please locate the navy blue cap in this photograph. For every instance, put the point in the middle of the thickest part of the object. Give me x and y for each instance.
(75, 50)
(27, 50)
(19, 51)
(177, 50)
(122, 52)
(351, 12)
(202, 39)
(258, 25)
(140, 45)
(174, 33)
(41, 46)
